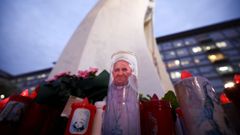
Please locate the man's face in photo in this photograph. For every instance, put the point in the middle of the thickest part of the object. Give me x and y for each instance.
(121, 72)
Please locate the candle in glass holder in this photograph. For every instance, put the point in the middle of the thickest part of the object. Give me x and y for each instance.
(232, 91)
(156, 117)
(97, 124)
(81, 119)
(201, 108)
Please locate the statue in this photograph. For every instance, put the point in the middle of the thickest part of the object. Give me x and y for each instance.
(111, 26)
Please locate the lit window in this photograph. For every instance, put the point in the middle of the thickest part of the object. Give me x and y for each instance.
(189, 41)
(172, 53)
(177, 43)
(182, 52)
(2, 96)
(32, 88)
(208, 47)
(215, 57)
(186, 62)
(169, 54)
(229, 84)
(197, 61)
(196, 49)
(173, 64)
(30, 78)
(165, 46)
(41, 76)
(44, 75)
(201, 59)
(224, 69)
(221, 44)
(175, 75)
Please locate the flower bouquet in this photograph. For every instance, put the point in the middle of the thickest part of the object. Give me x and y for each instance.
(55, 92)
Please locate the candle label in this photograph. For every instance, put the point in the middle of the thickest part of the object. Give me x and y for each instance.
(80, 121)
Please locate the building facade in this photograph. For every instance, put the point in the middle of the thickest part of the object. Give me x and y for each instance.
(30, 80)
(20, 82)
(212, 52)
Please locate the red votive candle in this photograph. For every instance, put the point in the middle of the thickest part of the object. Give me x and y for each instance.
(81, 118)
(156, 117)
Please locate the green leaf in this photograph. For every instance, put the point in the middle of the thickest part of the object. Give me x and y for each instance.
(170, 96)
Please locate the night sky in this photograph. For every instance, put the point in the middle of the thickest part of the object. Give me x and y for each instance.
(33, 33)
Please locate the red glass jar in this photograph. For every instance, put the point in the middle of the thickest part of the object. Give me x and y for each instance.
(156, 118)
(81, 118)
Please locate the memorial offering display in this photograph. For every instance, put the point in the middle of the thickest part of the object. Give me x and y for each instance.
(45, 110)
(90, 104)
(132, 94)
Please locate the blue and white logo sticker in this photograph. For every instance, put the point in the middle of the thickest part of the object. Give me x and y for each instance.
(80, 120)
